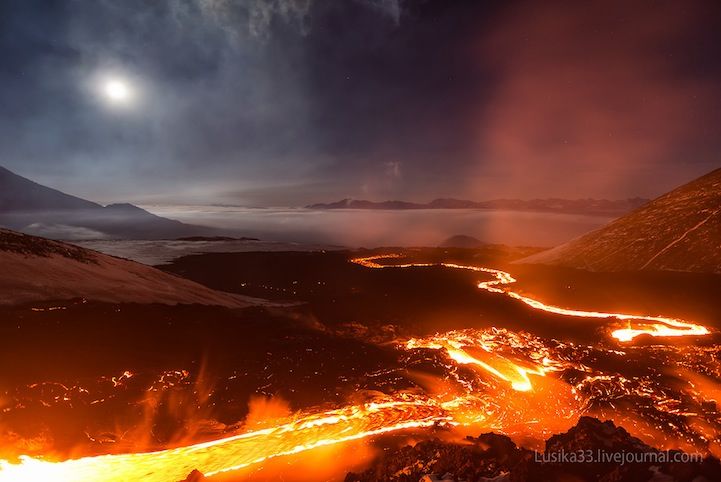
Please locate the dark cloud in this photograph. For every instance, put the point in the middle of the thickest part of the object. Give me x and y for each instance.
(279, 101)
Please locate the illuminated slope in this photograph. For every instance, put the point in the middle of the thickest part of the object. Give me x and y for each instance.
(679, 231)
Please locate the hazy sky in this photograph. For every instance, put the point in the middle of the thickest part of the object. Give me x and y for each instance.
(286, 102)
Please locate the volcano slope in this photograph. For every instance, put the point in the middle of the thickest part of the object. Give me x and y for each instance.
(37, 269)
(679, 231)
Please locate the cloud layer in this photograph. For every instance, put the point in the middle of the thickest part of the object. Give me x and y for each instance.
(298, 101)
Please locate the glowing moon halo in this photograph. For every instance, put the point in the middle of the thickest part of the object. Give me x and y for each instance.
(116, 91)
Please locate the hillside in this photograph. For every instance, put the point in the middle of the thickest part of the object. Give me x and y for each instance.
(679, 231)
(36, 209)
(37, 269)
(462, 241)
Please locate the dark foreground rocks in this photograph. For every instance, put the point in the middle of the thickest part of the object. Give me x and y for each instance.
(195, 476)
(591, 451)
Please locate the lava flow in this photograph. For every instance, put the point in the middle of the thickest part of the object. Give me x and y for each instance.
(656, 326)
(461, 405)
(467, 350)
(233, 453)
(494, 378)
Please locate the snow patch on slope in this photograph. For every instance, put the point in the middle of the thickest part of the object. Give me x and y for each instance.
(36, 269)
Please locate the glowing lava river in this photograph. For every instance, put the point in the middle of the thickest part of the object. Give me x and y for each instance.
(650, 325)
(495, 379)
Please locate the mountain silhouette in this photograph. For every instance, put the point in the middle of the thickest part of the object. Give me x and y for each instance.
(36, 209)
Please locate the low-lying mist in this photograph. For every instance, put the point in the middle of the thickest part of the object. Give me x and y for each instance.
(369, 228)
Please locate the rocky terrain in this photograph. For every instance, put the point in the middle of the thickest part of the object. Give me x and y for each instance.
(573, 456)
(679, 231)
(493, 457)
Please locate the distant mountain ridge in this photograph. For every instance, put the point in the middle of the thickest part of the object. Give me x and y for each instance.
(679, 231)
(36, 209)
(600, 207)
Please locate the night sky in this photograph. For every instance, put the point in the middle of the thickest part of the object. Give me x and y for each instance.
(284, 102)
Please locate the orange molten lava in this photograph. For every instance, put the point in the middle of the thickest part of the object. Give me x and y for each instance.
(233, 453)
(512, 361)
(459, 349)
(310, 430)
(656, 326)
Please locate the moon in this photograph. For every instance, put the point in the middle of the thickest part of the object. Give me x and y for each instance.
(117, 91)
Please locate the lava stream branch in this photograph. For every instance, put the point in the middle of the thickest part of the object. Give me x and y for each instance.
(657, 326)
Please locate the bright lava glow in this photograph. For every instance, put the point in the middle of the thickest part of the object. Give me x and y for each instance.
(656, 326)
(233, 453)
(494, 353)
